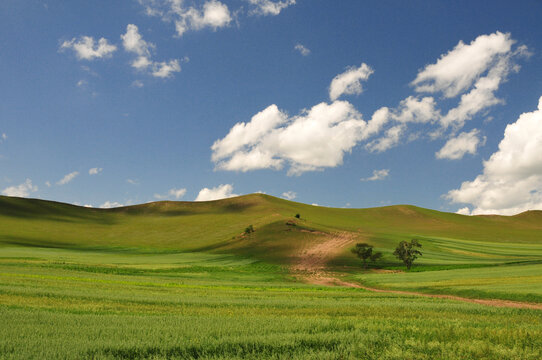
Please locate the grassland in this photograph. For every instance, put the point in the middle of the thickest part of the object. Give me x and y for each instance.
(180, 280)
(64, 303)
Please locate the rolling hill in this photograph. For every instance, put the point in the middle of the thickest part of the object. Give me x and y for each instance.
(217, 226)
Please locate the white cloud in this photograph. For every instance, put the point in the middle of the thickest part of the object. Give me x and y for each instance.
(132, 181)
(133, 42)
(463, 211)
(48, 183)
(165, 69)
(457, 70)
(268, 7)
(289, 195)
(176, 193)
(477, 69)
(86, 48)
(81, 83)
(482, 66)
(457, 147)
(511, 181)
(378, 175)
(213, 14)
(94, 171)
(313, 140)
(67, 178)
(137, 83)
(320, 136)
(389, 140)
(110, 204)
(414, 110)
(22, 190)
(481, 96)
(216, 193)
(302, 49)
(349, 82)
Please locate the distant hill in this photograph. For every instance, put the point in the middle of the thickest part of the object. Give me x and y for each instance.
(218, 226)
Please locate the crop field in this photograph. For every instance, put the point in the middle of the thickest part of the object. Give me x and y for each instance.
(58, 303)
(181, 280)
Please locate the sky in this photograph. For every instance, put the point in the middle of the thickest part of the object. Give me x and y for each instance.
(344, 103)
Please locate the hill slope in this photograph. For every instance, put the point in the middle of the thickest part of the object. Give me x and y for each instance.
(218, 226)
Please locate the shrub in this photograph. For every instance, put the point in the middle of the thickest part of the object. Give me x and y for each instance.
(365, 252)
(249, 230)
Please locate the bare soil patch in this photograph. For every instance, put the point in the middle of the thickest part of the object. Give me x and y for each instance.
(312, 261)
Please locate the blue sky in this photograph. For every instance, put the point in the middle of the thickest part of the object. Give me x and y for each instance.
(338, 103)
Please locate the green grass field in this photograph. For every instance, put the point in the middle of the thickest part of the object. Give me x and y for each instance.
(180, 280)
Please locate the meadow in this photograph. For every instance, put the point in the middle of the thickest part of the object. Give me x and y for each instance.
(144, 283)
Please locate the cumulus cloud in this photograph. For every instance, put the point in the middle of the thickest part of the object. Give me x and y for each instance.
(132, 181)
(457, 147)
(378, 175)
(94, 171)
(390, 139)
(22, 190)
(268, 7)
(313, 140)
(213, 14)
(475, 71)
(165, 69)
(110, 204)
(302, 49)
(133, 42)
(172, 193)
(463, 211)
(511, 181)
(349, 82)
(86, 48)
(67, 178)
(481, 96)
(415, 110)
(457, 70)
(319, 137)
(289, 195)
(216, 193)
(3, 137)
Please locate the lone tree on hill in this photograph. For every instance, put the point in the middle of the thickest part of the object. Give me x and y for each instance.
(407, 252)
(249, 230)
(365, 252)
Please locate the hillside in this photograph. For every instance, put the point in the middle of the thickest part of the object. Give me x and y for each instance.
(218, 226)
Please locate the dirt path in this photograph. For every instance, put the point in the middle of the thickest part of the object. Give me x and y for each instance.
(311, 267)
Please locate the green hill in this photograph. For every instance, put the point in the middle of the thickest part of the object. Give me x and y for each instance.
(181, 280)
(217, 226)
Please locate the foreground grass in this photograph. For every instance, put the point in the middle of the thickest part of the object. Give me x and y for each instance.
(58, 303)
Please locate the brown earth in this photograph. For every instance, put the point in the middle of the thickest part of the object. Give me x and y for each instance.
(311, 267)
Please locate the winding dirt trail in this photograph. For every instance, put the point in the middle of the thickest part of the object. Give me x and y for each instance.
(311, 267)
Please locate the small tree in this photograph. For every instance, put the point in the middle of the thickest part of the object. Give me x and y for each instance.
(298, 215)
(407, 252)
(365, 252)
(249, 230)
